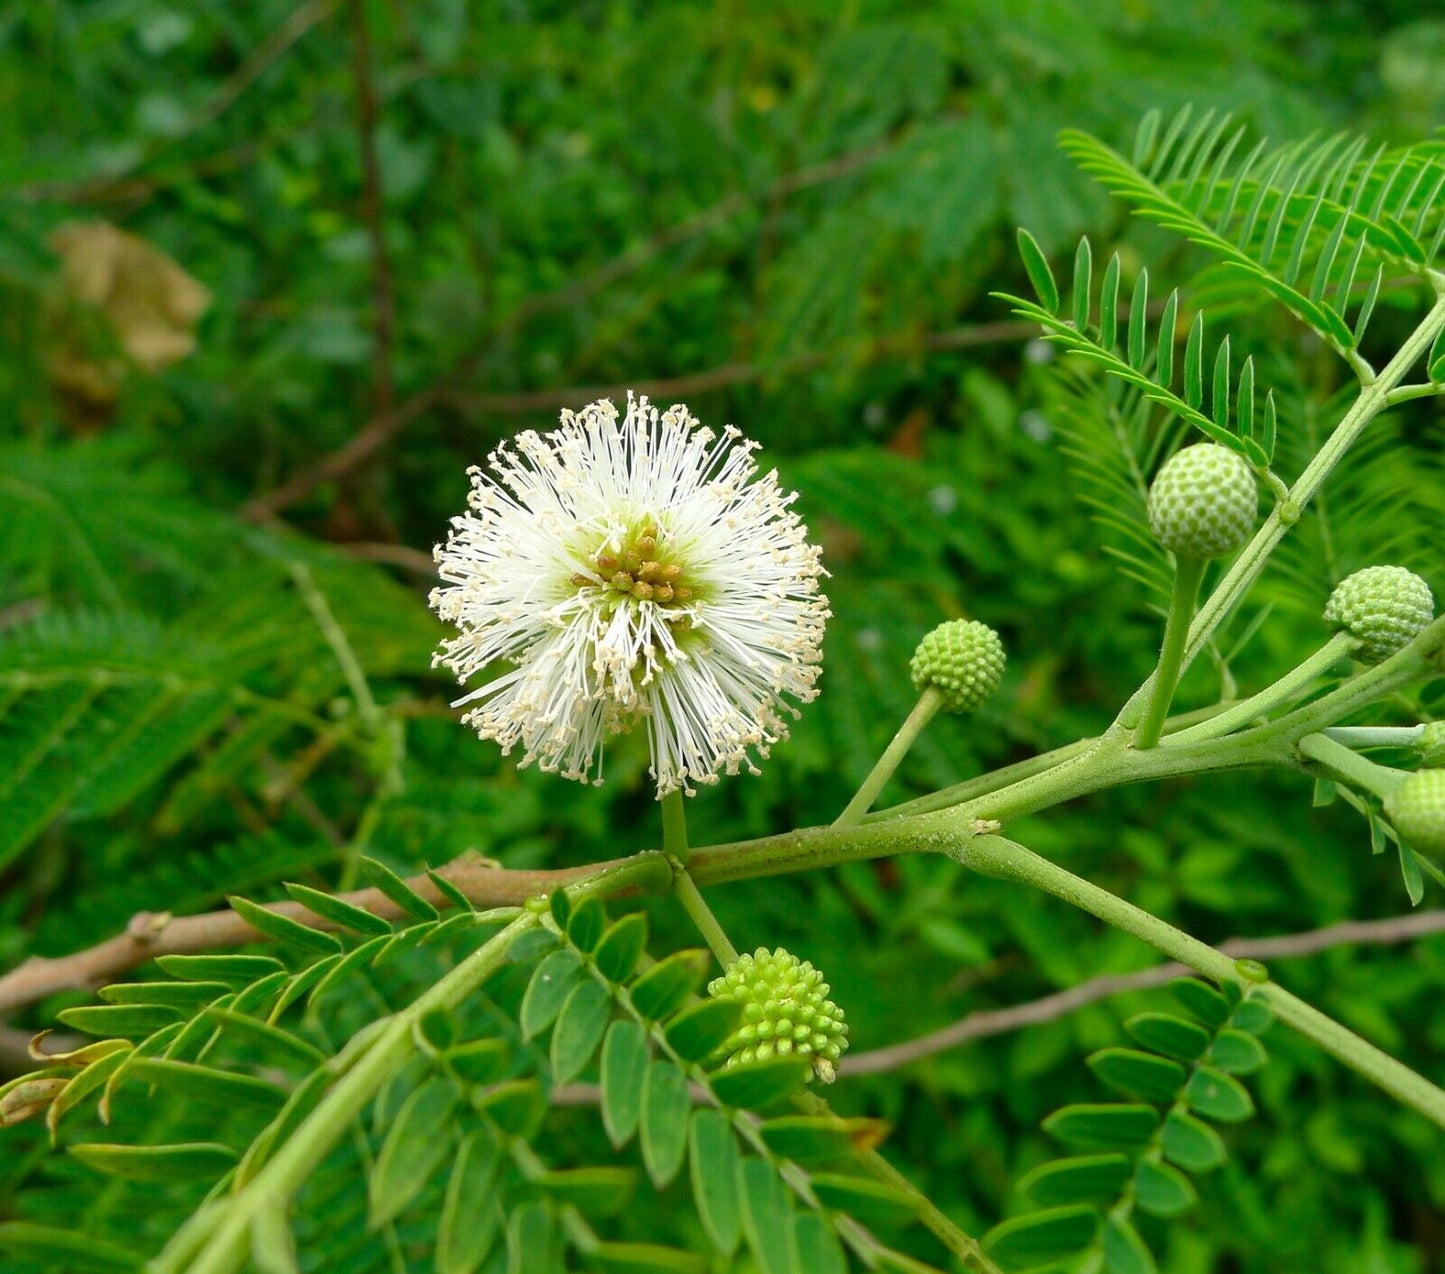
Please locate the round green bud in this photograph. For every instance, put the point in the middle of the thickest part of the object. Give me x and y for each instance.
(961, 659)
(1417, 810)
(786, 1011)
(1431, 746)
(1384, 606)
(1203, 502)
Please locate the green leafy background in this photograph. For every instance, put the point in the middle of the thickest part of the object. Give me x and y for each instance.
(791, 216)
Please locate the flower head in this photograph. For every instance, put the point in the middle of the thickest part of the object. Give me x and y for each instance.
(633, 571)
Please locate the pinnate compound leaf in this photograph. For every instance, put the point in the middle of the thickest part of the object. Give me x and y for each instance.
(224, 1090)
(625, 1059)
(417, 1142)
(766, 1211)
(1191, 1143)
(1218, 1096)
(696, 1033)
(714, 1162)
(1165, 1033)
(338, 911)
(579, 1029)
(186, 997)
(189, 1161)
(665, 987)
(1162, 1190)
(551, 983)
(758, 1085)
(233, 970)
(1083, 1179)
(1041, 1238)
(1102, 1126)
(665, 1107)
(470, 1216)
(1138, 1074)
(621, 947)
(119, 1020)
(1037, 267)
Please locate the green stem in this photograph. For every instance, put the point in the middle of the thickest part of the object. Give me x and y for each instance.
(227, 1245)
(1350, 766)
(1288, 687)
(674, 827)
(1374, 397)
(1188, 573)
(1005, 860)
(701, 915)
(1377, 736)
(929, 702)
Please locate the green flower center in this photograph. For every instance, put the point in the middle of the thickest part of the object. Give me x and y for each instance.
(645, 568)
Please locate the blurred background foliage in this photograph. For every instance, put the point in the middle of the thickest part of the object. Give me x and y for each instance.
(272, 275)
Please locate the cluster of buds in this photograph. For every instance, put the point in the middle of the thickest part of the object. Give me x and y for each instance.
(786, 1011)
(963, 660)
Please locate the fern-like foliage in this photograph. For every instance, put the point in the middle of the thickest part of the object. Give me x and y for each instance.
(451, 1164)
(1137, 1157)
(1307, 221)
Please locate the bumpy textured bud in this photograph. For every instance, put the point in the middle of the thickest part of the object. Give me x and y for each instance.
(1417, 810)
(1432, 744)
(1203, 502)
(963, 659)
(786, 1010)
(1384, 606)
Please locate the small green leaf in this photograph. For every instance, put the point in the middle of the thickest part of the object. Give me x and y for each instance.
(869, 1201)
(1102, 1127)
(1325, 793)
(1084, 1179)
(449, 891)
(516, 1107)
(269, 1040)
(1138, 1074)
(532, 945)
(1252, 1015)
(416, 1144)
(224, 1090)
(714, 1159)
(1269, 431)
(273, 1246)
(1219, 399)
(480, 1061)
(190, 1161)
(1410, 872)
(767, 1220)
(1165, 1033)
(1164, 367)
(579, 1030)
(470, 1216)
(1236, 1052)
(665, 987)
(1162, 1190)
(1041, 1238)
(1109, 303)
(1194, 363)
(66, 1249)
(1083, 281)
(338, 912)
(809, 1139)
(1124, 1250)
(1138, 317)
(234, 971)
(1218, 1096)
(898, 1263)
(597, 1191)
(283, 928)
(1036, 267)
(533, 1243)
(698, 1032)
(624, 1070)
(1202, 1001)
(395, 888)
(587, 924)
(758, 1085)
(666, 1104)
(816, 1245)
(128, 1020)
(1244, 401)
(621, 947)
(185, 997)
(551, 984)
(644, 1258)
(1191, 1143)
(560, 905)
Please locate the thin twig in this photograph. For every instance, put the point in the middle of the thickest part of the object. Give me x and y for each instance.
(382, 299)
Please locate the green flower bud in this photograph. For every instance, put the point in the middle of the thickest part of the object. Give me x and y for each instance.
(962, 659)
(1384, 606)
(1417, 810)
(1203, 502)
(786, 1011)
(1432, 744)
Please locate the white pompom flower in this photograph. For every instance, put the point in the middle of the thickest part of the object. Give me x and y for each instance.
(632, 571)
